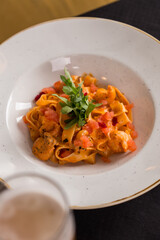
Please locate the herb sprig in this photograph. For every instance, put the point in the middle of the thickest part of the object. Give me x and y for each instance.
(78, 107)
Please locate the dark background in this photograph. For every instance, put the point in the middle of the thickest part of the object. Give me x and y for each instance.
(138, 219)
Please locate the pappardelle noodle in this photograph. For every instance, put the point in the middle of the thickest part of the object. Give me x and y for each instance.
(74, 120)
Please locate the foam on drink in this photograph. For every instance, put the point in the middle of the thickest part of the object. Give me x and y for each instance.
(30, 216)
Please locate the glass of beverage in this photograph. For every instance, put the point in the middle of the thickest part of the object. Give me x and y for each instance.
(35, 208)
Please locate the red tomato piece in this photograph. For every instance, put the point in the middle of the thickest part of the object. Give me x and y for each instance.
(51, 115)
(38, 96)
(129, 106)
(87, 128)
(49, 90)
(86, 142)
(58, 86)
(131, 145)
(107, 116)
(102, 124)
(134, 134)
(78, 143)
(114, 121)
(105, 130)
(93, 88)
(91, 125)
(130, 126)
(43, 109)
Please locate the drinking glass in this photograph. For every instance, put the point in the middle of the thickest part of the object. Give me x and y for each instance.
(25, 194)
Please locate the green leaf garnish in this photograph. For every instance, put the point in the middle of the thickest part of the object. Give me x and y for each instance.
(78, 107)
(69, 78)
(62, 98)
(66, 110)
(91, 106)
(71, 123)
(67, 90)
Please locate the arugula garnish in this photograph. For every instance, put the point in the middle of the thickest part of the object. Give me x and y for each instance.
(79, 107)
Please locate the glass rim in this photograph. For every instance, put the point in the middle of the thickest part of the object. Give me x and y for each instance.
(51, 181)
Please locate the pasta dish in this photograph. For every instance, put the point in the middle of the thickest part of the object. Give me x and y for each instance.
(74, 120)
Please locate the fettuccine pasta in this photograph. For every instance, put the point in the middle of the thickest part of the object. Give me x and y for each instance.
(107, 129)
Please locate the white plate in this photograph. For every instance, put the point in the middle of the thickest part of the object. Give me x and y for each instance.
(128, 58)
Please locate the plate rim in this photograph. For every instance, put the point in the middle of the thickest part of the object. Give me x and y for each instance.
(70, 18)
(118, 201)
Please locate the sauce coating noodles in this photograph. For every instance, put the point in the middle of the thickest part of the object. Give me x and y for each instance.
(108, 128)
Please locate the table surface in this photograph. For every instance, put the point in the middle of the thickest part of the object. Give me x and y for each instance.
(16, 15)
(138, 219)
